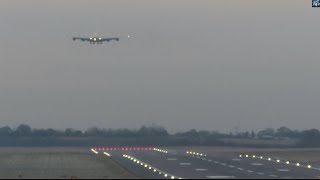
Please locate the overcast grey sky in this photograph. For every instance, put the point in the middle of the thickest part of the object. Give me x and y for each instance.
(203, 64)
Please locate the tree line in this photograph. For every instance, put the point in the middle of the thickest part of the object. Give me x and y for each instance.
(307, 138)
(24, 130)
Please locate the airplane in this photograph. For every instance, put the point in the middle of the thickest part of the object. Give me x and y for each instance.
(96, 39)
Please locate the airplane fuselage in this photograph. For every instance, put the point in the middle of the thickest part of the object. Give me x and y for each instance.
(96, 40)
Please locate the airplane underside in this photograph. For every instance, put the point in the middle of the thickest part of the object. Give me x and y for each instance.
(97, 42)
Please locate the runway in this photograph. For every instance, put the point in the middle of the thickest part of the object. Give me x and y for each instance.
(156, 164)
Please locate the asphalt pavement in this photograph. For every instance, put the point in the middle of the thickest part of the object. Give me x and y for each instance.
(174, 165)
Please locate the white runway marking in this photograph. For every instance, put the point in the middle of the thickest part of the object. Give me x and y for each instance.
(209, 160)
(172, 159)
(236, 159)
(250, 171)
(185, 164)
(256, 164)
(240, 169)
(260, 173)
(220, 177)
(216, 162)
(223, 164)
(201, 169)
(231, 166)
(271, 175)
(284, 170)
(203, 158)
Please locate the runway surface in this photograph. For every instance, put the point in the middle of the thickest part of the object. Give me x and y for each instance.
(173, 165)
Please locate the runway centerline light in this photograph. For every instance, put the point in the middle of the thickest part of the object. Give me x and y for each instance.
(309, 166)
(287, 162)
(298, 164)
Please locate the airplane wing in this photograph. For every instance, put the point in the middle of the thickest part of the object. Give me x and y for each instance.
(109, 39)
(82, 39)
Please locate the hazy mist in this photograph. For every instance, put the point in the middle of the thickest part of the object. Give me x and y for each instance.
(203, 64)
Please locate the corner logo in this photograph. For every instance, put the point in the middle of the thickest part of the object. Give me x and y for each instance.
(315, 3)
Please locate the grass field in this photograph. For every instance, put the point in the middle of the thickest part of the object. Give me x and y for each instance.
(61, 163)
